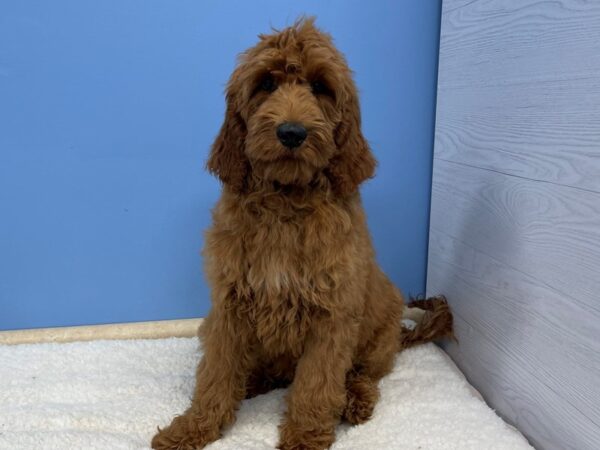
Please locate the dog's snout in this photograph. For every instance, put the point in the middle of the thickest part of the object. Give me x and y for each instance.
(291, 134)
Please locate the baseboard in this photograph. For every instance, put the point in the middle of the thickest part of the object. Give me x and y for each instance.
(138, 330)
(132, 330)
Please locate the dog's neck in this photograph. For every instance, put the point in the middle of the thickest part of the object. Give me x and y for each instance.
(318, 185)
(282, 200)
(293, 189)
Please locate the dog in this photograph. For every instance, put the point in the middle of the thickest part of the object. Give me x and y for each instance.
(297, 297)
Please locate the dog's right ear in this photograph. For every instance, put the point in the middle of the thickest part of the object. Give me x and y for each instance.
(227, 159)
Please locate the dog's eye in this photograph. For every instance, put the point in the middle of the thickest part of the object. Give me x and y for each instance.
(267, 84)
(320, 88)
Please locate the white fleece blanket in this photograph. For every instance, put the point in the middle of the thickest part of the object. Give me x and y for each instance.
(113, 394)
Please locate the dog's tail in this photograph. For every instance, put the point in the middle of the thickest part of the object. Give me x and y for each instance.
(432, 318)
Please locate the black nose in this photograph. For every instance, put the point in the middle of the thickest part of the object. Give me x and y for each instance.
(291, 134)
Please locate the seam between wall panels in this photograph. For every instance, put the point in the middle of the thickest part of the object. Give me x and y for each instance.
(435, 95)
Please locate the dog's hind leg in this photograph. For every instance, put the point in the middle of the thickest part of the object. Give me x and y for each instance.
(433, 321)
(375, 361)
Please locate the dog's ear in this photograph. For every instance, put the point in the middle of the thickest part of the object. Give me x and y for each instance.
(227, 159)
(354, 162)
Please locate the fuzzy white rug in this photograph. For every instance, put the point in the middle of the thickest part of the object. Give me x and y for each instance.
(113, 394)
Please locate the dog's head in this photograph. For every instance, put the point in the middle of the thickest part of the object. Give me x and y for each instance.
(292, 113)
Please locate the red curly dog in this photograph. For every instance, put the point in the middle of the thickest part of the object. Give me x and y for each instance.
(297, 295)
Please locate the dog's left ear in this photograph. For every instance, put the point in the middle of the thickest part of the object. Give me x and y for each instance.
(227, 159)
(354, 162)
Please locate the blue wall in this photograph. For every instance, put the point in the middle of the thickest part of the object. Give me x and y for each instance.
(107, 111)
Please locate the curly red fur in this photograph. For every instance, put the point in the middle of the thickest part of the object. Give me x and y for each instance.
(436, 322)
(297, 297)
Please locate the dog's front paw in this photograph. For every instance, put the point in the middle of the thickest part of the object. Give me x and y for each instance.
(186, 432)
(295, 437)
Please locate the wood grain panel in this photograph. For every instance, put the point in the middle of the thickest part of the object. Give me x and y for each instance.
(525, 353)
(515, 214)
(519, 88)
(519, 261)
(550, 232)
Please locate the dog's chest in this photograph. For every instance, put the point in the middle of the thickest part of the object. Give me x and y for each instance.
(282, 274)
(280, 271)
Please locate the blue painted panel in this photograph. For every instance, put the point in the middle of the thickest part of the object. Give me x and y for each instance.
(107, 111)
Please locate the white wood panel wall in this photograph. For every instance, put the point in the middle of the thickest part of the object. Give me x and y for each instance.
(515, 220)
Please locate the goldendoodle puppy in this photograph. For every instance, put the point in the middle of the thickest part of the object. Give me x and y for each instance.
(297, 297)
